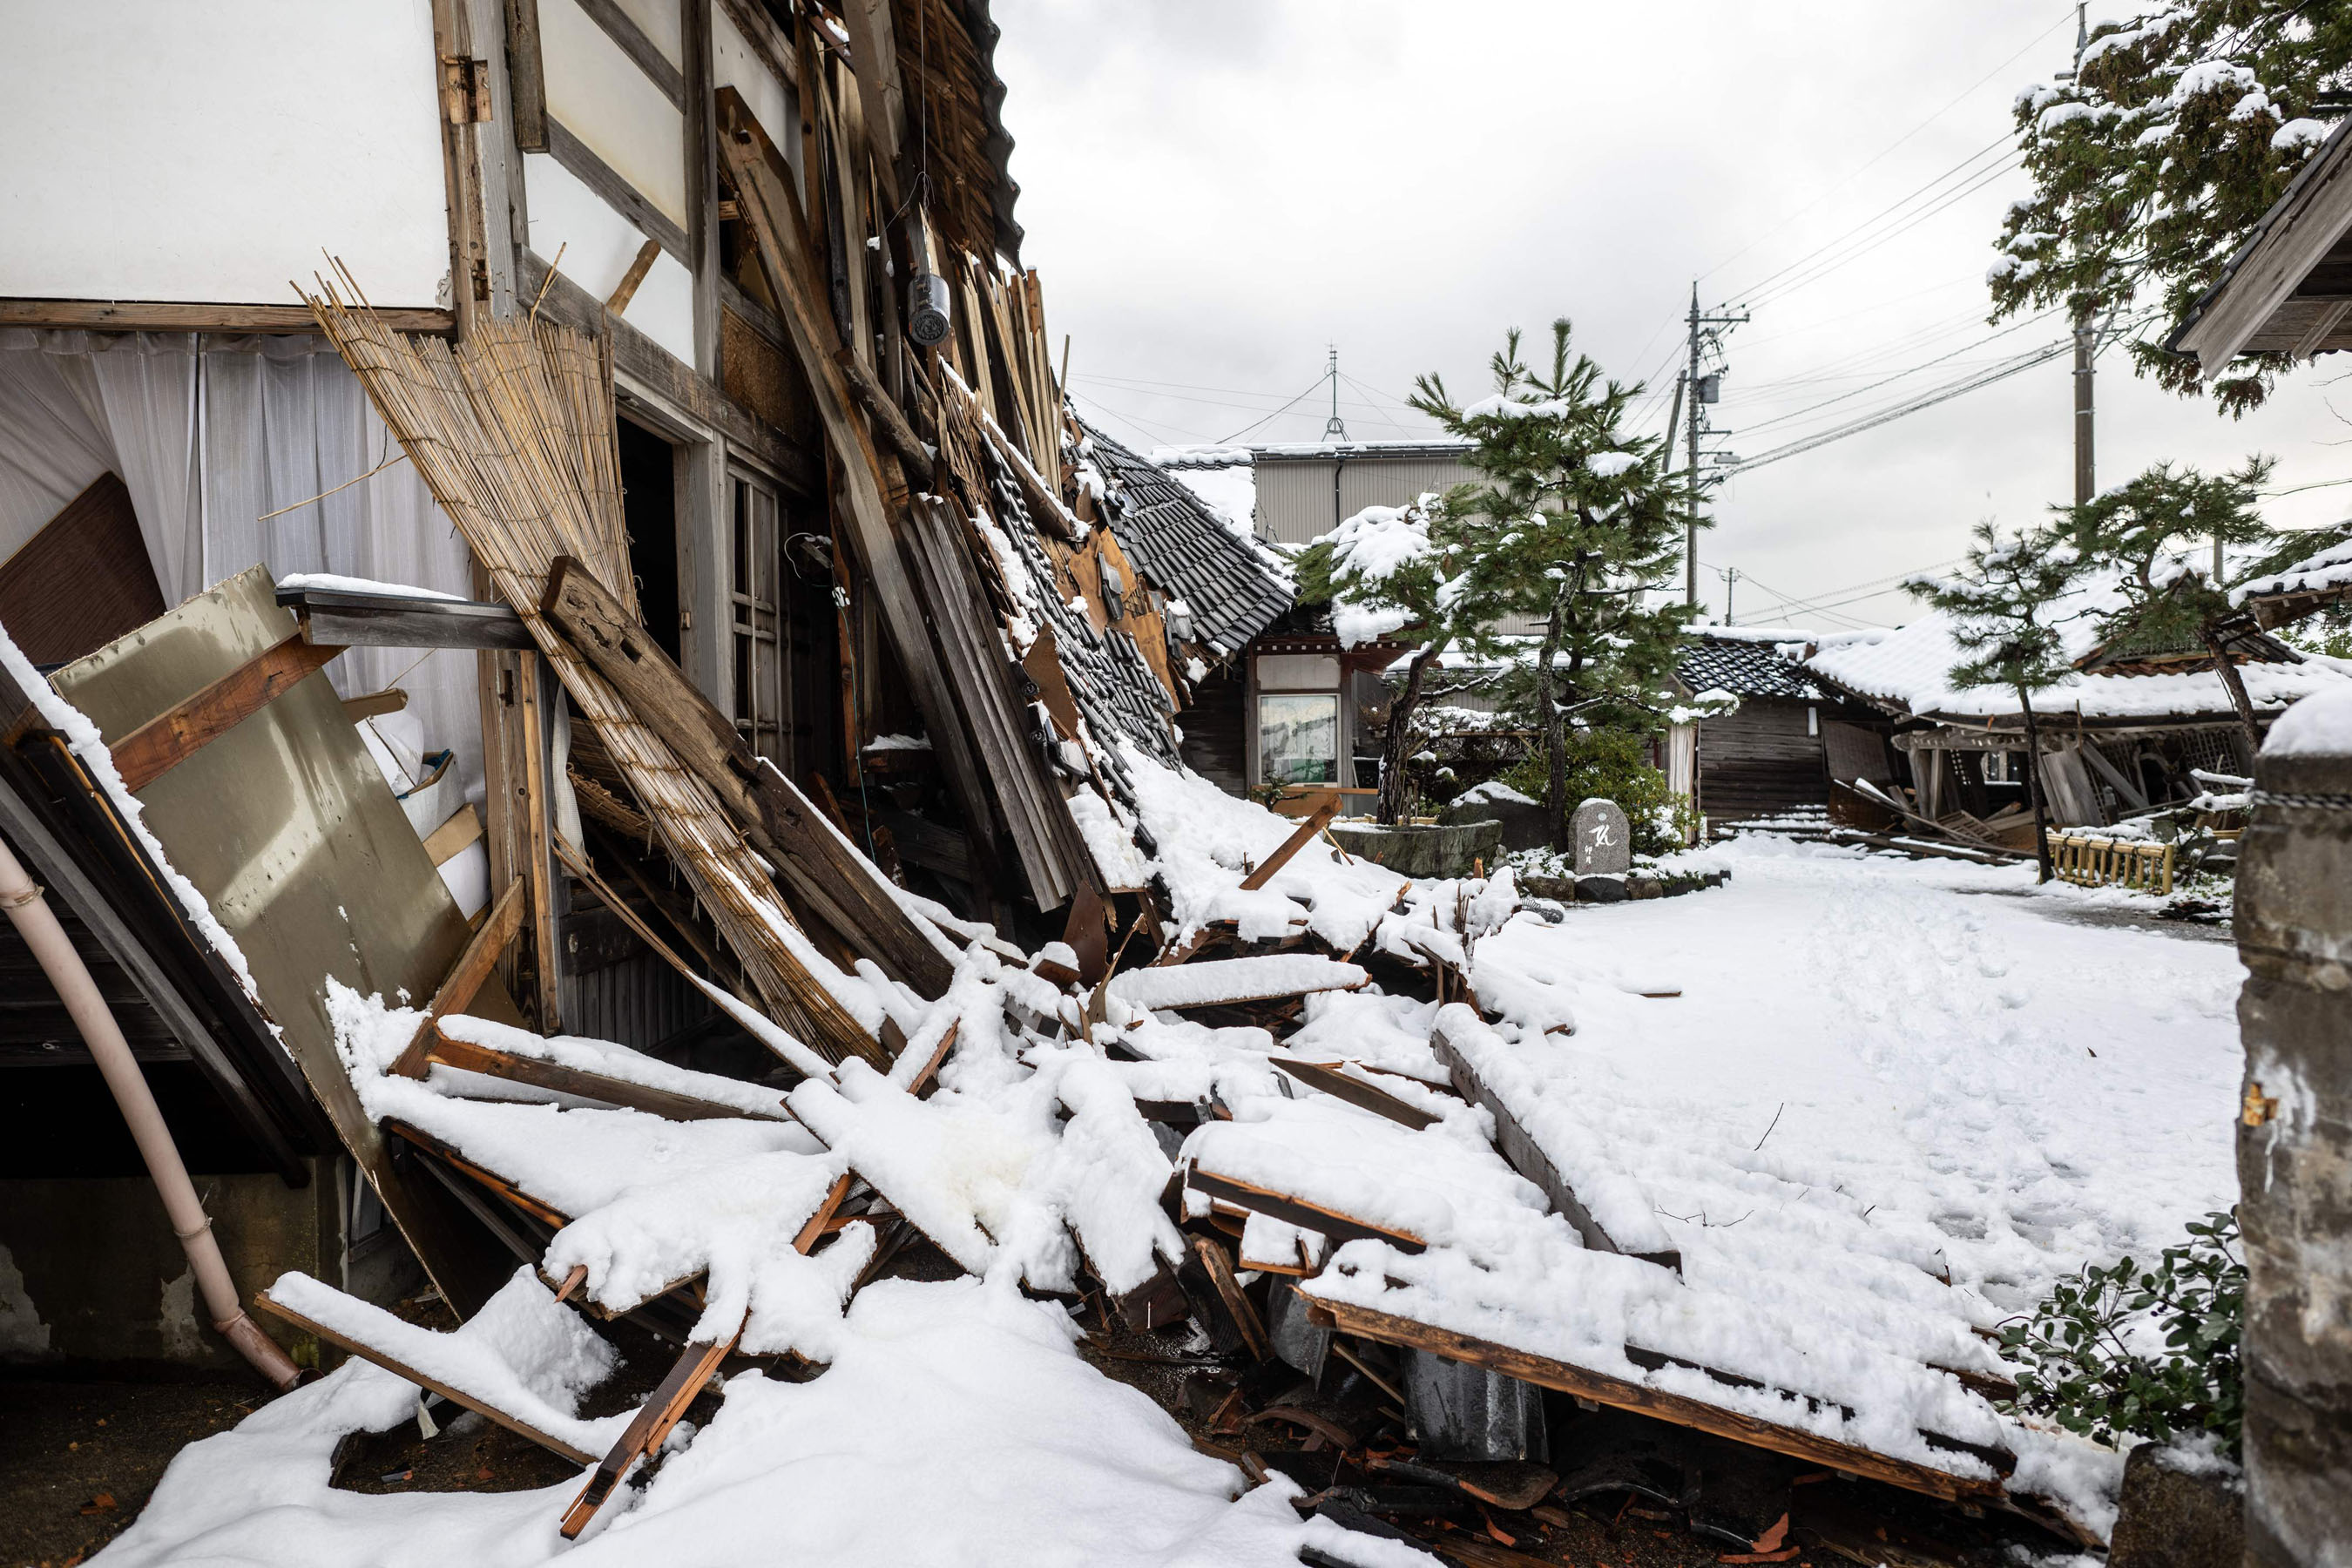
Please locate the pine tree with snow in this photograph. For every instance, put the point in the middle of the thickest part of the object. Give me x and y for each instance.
(2160, 532)
(2001, 609)
(2152, 165)
(1573, 521)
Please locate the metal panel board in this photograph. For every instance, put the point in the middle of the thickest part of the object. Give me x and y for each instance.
(289, 830)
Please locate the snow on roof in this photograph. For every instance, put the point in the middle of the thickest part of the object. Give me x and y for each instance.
(2327, 571)
(1436, 447)
(1909, 667)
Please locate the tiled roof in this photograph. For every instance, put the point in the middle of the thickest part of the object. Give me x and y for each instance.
(1233, 585)
(1742, 668)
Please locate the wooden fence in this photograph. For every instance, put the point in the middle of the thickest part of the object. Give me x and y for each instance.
(2095, 862)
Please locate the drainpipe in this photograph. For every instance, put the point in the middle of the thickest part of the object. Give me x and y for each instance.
(38, 924)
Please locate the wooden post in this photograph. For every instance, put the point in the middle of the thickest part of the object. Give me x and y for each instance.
(536, 687)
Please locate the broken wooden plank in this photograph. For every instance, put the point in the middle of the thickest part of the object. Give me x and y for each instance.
(1524, 1154)
(172, 736)
(1226, 981)
(1603, 1388)
(546, 1213)
(1306, 833)
(829, 879)
(467, 1056)
(466, 976)
(655, 1419)
(401, 1369)
(1355, 1091)
(1298, 1211)
(1226, 1306)
(626, 289)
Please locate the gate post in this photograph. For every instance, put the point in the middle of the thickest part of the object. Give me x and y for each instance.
(2294, 1139)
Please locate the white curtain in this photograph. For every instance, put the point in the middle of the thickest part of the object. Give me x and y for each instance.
(211, 435)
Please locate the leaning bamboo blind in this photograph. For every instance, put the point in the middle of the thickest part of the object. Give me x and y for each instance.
(513, 432)
(2092, 860)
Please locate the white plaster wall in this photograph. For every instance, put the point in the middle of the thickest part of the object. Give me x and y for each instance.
(167, 149)
(601, 96)
(597, 245)
(734, 65)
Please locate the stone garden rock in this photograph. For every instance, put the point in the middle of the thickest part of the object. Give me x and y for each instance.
(1604, 840)
(1445, 850)
(1600, 890)
(2181, 1508)
(1525, 824)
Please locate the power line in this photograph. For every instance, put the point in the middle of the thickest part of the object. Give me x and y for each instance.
(2042, 355)
(1898, 375)
(1901, 225)
(1877, 157)
(1245, 430)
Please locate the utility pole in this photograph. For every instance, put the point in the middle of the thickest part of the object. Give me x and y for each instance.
(1334, 429)
(1731, 575)
(2086, 484)
(1701, 390)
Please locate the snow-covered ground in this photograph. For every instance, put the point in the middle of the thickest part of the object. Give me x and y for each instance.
(1938, 1036)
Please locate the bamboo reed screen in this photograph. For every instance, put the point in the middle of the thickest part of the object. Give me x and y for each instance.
(513, 432)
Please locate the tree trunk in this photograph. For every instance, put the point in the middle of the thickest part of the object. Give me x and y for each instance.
(2033, 784)
(1392, 744)
(2235, 685)
(1555, 743)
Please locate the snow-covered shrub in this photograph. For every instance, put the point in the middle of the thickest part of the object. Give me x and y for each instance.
(2147, 1351)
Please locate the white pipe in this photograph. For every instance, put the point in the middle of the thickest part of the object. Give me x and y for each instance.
(38, 924)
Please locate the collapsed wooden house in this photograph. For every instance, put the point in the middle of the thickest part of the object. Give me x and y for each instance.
(2129, 732)
(802, 688)
(1776, 754)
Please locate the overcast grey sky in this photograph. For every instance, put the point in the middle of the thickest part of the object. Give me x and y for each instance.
(1215, 190)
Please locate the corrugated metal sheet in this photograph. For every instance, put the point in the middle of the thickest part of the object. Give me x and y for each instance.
(638, 1002)
(1294, 494)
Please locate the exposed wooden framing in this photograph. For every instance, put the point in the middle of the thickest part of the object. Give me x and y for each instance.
(170, 738)
(526, 76)
(639, 360)
(626, 289)
(1297, 1211)
(1524, 1154)
(1305, 834)
(47, 857)
(763, 186)
(622, 196)
(640, 49)
(499, 161)
(888, 422)
(874, 47)
(661, 1412)
(545, 1213)
(466, 976)
(666, 902)
(848, 144)
(398, 1368)
(461, 162)
(1602, 1388)
(702, 182)
(535, 692)
(1355, 1091)
(1219, 1268)
(838, 886)
(468, 1057)
(767, 41)
(152, 316)
(456, 833)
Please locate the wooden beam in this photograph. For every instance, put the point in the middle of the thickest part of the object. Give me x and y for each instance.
(764, 189)
(1355, 1091)
(467, 1056)
(655, 1417)
(334, 618)
(643, 51)
(767, 41)
(177, 733)
(624, 197)
(399, 1368)
(153, 316)
(1603, 1388)
(841, 887)
(1521, 1151)
(1298, 1211)
(526, 76)
(888, 422)
(1305, 834)
(874, 50)
(535, 688)
(545, 1213)
(466, 976)
(626, 289)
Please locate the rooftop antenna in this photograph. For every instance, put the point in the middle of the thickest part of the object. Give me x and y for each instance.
(1334, 428)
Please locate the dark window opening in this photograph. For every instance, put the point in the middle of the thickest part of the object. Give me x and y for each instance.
(650, 506)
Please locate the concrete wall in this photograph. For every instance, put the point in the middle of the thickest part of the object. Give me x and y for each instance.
(91, 1272)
